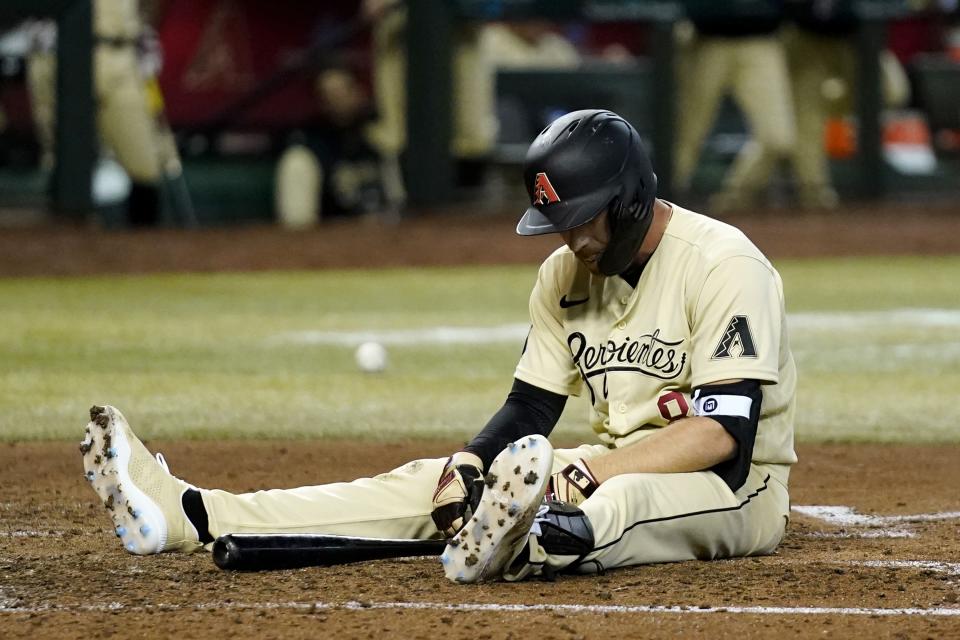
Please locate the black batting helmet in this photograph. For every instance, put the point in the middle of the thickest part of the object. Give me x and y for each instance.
(581, 164)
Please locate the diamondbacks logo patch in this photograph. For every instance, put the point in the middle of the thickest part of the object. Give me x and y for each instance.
(736, 342)
(543, 191)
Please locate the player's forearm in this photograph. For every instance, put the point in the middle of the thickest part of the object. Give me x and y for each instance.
(690, 444)
(528, 410)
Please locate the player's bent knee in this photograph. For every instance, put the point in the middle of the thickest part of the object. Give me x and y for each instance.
(564, 530)
(779, 145)
(561, 537)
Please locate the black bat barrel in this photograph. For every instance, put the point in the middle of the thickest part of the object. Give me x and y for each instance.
(263, 552)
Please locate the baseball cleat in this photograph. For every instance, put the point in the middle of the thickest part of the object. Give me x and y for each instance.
(515, 485)
(143, 499)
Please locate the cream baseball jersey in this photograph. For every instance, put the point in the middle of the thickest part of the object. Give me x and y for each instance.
(708, 307)
(117, 19)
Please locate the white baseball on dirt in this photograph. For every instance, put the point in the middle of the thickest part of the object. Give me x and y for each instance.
(371, 357)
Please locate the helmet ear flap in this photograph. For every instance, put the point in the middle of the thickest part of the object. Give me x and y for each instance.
(614, 209)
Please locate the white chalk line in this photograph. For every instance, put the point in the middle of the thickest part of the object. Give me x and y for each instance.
(936, 566)
(406, 337)
(951, 568)
(511, 608)
(843, 515)
(869, 533)
(833, 321)
(857, 525)
(31, 534)
(9, 605)
(915, 317)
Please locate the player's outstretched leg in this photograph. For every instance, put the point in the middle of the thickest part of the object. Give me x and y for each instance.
(138, 491)
(516, 482)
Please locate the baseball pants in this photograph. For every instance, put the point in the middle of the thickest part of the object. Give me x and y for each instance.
(124, 120)
(754, 71)
(637, 518)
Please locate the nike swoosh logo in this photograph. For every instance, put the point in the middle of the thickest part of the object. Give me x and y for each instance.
(566, 304)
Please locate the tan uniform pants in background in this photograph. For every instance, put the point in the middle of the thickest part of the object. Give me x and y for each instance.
(814, 61)
(754, 71)
(474, 120)
(637, 518)
(127, 126)
(124, 120)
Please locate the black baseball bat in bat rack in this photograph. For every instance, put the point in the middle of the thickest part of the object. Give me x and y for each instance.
(264, 552)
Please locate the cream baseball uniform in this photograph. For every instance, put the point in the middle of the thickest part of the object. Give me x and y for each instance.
(124, 119)
(708, 307)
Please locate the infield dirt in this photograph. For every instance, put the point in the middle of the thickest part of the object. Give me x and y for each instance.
(63, 573)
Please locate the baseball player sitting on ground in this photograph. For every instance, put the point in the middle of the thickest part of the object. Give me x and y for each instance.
(671, 321)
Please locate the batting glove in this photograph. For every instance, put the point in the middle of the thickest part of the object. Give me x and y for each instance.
(574, 484)
(458, 492)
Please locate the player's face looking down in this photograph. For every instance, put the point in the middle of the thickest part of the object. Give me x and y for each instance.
(589, 240)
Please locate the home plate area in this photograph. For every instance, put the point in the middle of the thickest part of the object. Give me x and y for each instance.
(871, 551)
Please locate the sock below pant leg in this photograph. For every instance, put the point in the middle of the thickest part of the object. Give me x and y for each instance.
(197, 514)
(143, 206)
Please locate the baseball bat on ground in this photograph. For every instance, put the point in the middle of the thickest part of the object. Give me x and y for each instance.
(263, 552)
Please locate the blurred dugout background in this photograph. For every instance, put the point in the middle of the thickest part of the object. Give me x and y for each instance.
(215, 112)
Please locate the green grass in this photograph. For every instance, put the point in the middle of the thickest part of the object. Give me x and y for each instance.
(210, 356)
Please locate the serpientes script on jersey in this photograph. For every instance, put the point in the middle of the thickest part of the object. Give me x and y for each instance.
(648, 354)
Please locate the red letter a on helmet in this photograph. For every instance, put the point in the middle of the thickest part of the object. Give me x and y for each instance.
(543, 191)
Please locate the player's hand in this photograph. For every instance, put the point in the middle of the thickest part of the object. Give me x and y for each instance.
(458, 492)
(573, 484)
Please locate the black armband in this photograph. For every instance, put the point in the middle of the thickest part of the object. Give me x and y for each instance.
(528, 410)
(736, 407)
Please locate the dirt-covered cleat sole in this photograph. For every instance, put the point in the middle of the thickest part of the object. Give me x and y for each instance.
(133, 486)
(515, 485)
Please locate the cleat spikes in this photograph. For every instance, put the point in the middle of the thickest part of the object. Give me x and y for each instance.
(139, 494)
(507, 510)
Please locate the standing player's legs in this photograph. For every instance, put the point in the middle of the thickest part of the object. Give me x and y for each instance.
(474, 119)
(761, 88)
(812, 61)
(42, 83)
(700, 95)
(389, 132)
(128, 128)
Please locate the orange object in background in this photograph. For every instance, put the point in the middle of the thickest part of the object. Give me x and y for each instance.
(840, 138)
(906, 143)
(906, 129)
(953, 44)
